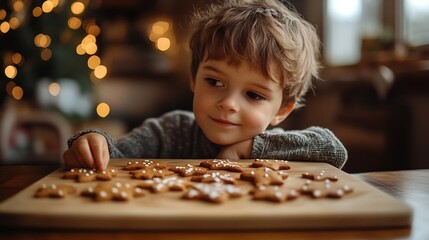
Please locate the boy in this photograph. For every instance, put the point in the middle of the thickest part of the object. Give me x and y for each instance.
(252, 62)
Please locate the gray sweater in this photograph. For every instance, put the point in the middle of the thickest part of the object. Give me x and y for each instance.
(177, 135)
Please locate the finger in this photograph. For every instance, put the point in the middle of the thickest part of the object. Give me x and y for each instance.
(106, 156)
(97, 154)
(84, 153)
(78, 159)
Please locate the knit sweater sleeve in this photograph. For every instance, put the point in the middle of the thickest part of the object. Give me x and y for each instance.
(311, 144)
(165, 137)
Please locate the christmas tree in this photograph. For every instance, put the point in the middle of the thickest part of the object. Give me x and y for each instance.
(47, 48)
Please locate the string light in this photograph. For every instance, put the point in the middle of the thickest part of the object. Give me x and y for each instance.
(54, 2)
(100, 71)
(74, 23)
(46, 54)
(103, 109)
(17, 58)
(54, 89)
(93, 29)
(160, 34)
(2, 14)
(4, 27)
(17, 92)
(77, 8)
(37, 11)
(10, 71)
(160, 27)
(42, 40)
(93, 62)
(47, 6)
(18, 6)
(163, 44)
(14, 23)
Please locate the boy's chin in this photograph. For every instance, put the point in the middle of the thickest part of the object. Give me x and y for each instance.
(224, 140)
(221, 140)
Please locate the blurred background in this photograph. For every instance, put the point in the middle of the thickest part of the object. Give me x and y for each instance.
(67, 65)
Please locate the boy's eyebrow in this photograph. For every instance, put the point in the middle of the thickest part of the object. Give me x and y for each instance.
(212, 69)
(263, 87)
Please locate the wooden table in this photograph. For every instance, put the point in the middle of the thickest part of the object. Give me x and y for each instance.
(409, 186)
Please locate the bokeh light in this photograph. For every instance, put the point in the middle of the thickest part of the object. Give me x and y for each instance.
(4, 27)
(18, 6)
(17, 58)
(94, 61)
(37, 11)
(100, 71)
(163, 44)
(47, 6)
(77, 8)
(54, 89)
(103, 109)
(46, 54)
(74, 23)
(10, 71)
(2, 14)
(17, 92)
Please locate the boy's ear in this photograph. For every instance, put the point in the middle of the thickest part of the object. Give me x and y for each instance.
(192, 84)
(282, 114)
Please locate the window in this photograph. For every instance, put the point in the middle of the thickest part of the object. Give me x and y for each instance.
(416, 18)
(347, 23)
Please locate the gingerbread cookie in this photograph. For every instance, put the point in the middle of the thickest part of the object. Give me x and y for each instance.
(214, 177)
(264, 176)
(110, 191)
(325, 189)
(89, 175)
(273, 164)
(54, 191)
(274, 193)
(150, 173)
(188, 170)
(319, 176)
(220, 164)
(158, 185)
(212, 192)
(143, 165)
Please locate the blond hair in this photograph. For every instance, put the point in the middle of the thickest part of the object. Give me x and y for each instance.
(266, 34)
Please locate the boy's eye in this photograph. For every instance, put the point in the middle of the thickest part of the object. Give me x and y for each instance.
(213, 82)
(255, 96)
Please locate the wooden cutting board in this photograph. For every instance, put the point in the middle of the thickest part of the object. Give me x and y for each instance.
(366, 207)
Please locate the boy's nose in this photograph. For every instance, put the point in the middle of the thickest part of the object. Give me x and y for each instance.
(228, 103)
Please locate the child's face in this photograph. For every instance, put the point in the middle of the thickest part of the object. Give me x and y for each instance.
(235, 103)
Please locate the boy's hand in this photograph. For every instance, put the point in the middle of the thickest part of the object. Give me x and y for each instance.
(88, 151)
(237, 151)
